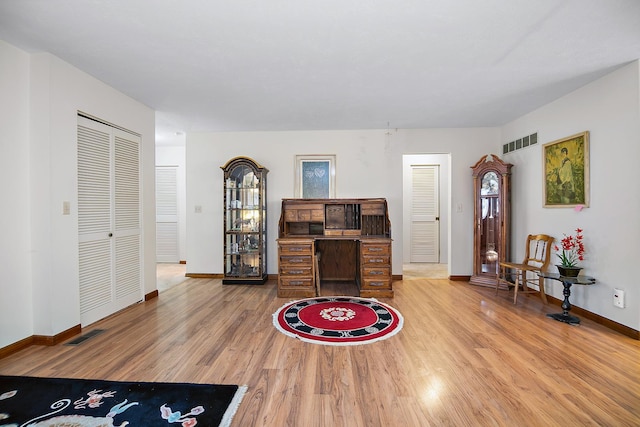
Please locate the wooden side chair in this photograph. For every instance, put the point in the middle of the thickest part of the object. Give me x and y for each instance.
(537, 257)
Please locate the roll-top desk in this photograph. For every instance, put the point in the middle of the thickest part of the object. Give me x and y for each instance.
(337, 240)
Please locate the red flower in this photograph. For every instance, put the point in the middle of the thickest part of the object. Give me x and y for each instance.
(572, 249)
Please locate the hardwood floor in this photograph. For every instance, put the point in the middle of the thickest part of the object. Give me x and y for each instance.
(169, 275)
(421, 270)
(464, 358)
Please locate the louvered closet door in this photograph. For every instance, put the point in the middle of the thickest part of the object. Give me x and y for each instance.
(167, 214)
(108, 220)
(425, 222)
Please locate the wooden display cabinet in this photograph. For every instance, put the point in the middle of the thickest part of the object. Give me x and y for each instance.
(245, 222)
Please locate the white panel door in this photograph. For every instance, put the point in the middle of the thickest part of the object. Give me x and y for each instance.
(167, 214)
(425, 221)
(110, 261)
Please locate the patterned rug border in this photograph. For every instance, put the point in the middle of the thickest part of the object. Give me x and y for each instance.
(233, 406)
(97, 396)
(290, 334)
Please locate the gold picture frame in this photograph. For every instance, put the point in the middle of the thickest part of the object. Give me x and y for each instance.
(315, 176)
(566, 172)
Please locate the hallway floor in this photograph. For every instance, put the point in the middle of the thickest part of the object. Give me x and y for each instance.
(169, 275)
(424, 270)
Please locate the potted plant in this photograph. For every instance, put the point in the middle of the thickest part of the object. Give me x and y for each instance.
(572, 252)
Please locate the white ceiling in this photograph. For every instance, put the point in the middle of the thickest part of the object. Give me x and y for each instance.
(238, 65)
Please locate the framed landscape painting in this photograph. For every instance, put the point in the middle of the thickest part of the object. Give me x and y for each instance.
(315, 176)
(566, 171)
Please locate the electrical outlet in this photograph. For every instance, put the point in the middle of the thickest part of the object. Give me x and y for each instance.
(618, 298)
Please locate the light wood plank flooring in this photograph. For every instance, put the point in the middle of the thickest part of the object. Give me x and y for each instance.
(464, 358)
(421, 270)
(169, 275)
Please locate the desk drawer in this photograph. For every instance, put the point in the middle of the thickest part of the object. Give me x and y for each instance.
(375, 249)
(295, 282)
(381, 260)
(296, 248)
(317, 215)
(290, 215)
(382, 283)
(305, 213)
(292, 270)
(376, 273)
(295, 260)
(372, 209)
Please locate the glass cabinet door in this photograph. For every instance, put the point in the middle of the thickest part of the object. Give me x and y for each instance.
(489, 223)
(244, 222)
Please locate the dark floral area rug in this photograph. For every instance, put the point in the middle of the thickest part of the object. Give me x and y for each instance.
(31, 401)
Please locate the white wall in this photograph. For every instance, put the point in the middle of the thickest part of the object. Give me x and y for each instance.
(16, 311)
(368, 164)
(46, 273)
(361, 171)
(609, 109)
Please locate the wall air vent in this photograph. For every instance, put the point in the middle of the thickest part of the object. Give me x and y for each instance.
(520, 143)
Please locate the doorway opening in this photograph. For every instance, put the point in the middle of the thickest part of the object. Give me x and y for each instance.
(426, 215)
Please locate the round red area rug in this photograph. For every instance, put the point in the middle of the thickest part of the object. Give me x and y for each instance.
(338, 320)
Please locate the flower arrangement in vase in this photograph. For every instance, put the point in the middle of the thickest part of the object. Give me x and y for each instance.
(572, 252)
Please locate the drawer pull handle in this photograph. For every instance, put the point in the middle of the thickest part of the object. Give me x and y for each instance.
(296, 282)
(376, 273)
(376, 283)
(374, 249)
(296, 260)
(296, 249)
(296, 272)
(377, 260)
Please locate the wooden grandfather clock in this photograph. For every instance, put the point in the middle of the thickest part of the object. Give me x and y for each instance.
(491, 218)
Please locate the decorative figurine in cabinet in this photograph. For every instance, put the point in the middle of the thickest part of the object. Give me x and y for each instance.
(492, 218)
(245, 222)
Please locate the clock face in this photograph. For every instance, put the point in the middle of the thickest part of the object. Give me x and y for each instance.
(490, 184)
